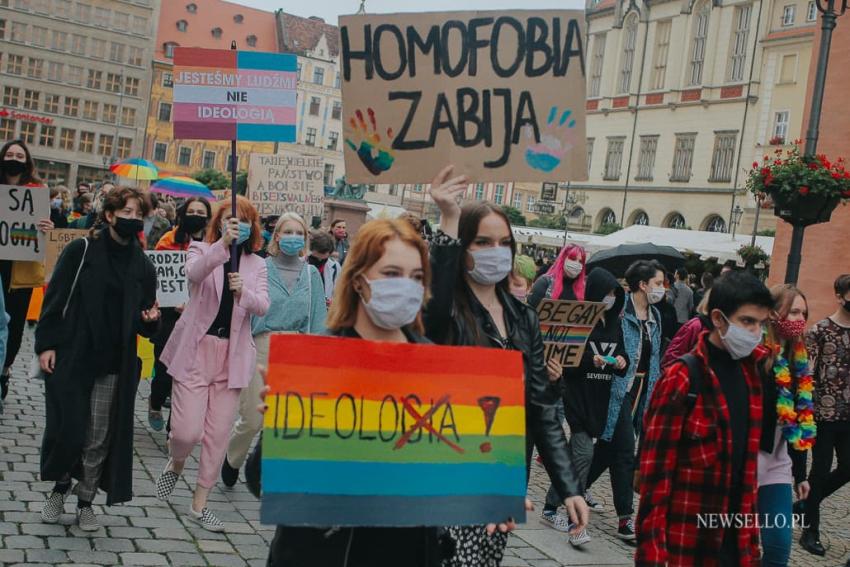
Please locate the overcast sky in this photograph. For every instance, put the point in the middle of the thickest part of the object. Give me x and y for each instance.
(331, 9)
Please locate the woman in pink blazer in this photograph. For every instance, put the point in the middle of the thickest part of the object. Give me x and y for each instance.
(211, 353)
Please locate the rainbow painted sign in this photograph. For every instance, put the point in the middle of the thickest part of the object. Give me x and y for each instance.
(222, 94)
(566, 326)
(361, 433)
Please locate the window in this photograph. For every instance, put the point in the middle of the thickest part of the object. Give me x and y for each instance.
(418, 188)
(310, 137)
(121, 21)
(182, 25)
(518, 200)
(646, 158)
(251, 40)
(723, 157)
(102, 17)
(41, 6)
(333, 140)
(159, 151)
(168, 49)
(7, 129)
(393, 189)
(614, 159)
(499, 193)
(629, 42)
(589, 154)
(216, 33)
(165, 112)
(31, 99)
(11, 95)
(238, 18)
(51, 103)
(683, 157)
(75, 75)
(117, 52)
(659, 58)
(28, 132)
(59, 40)
(15, 64)
(62, 8)
(98, 48)
(48, 136)
(87, 142)
(95, 79)
(596, 64)
(113, 82)
(110, 113)
(39, 36)
(66, 140)
(192, 8)
(698, 44)
(35, 68)
(337, 81)
(167, 79)
(336, 110)
(184, 156)
(329, 174)
(640, 218)
(788, 69)
(315, 102)
(90, 108)
(83, 13)
(788, 14)
(209, 159)
(72, 106)
(780, 125)
(54, 71)
(715, 223)
(104, 147)
(139, 25)
(128, 116)
(2, 29)
(134, 56)
(78, 44)
(319, 76)
(19, 32)
(479, 191)
(676, 220)
(298, 70)
(131, 86)
(529, 205)
(610, 217)
(739, 43)
(811, 12)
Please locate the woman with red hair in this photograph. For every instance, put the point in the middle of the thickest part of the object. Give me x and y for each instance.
(565, 280)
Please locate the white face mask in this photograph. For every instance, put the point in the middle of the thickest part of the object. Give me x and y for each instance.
(609, 301)
(572, 268)
(739, 342)
(655, 295)
(492, 264)
(395, 302)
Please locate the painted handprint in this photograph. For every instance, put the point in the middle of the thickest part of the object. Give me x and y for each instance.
(555, 141)
(375, 153)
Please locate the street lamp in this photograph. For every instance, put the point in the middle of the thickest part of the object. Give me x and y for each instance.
(759, 201)
(569, 202)
(829, 15)
(737, 213)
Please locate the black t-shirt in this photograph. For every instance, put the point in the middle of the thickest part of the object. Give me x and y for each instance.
(221, 325)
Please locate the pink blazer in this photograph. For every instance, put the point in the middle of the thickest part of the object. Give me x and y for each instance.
(205, 272)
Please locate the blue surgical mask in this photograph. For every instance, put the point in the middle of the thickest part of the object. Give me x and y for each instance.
(291, 244)
(267, 236)
(56, 204)
(244, 232)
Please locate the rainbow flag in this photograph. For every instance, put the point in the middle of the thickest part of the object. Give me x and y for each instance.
(361, 433)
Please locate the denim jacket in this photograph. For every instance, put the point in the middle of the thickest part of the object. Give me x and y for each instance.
(631, 339)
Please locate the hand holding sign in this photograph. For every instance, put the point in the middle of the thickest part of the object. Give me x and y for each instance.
(555, 141)
(372, 151)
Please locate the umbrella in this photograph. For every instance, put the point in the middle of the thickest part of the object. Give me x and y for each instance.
(182, 187)
(618, 259)
(135, 168)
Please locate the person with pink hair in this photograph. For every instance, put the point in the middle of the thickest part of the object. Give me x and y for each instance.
(565, 280)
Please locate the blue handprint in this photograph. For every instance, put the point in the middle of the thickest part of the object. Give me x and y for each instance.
(555, 141)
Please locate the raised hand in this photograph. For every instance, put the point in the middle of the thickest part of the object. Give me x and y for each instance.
(445, 192)
(375, 153)
(555, 141)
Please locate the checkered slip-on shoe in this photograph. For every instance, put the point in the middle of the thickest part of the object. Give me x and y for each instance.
(165, 483)
(53, 508)
(207, 520)
(87, 520)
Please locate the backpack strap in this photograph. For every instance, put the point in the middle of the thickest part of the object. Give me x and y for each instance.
(695, 379)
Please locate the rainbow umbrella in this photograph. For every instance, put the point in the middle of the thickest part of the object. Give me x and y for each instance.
(135, 168)
(179, 186)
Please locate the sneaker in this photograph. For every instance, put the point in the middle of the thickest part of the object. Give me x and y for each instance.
(580, 539)
(558, 521)
(165, 483)
(87, 520)
(593, 504)
(626, 531)
(156, 420)
(207, 520)
(53, 508)
(229, 475)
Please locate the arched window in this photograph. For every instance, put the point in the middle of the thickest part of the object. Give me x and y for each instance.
(577, 213)
(607, 216)
(192, 8)
(702, 14)
(238, 18)
(182, 25)
(675, 220)
(715, 223)
(629, 43)
(216, 32)
(168, 48)
(640, 218)
(251, 40)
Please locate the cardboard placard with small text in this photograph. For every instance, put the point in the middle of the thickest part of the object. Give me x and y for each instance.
(20, 210)
(172, 289)
(287, 182)
(566, 326)
(57, 240)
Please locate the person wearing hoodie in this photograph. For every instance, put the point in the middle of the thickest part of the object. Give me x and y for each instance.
(565, 280)
(587, 391)
(687, 337)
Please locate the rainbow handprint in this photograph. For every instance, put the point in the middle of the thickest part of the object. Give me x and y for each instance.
(375, 154)
(555, 141)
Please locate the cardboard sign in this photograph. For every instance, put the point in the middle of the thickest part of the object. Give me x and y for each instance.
(287, 182)
(20, 210)
(221, 94)
(501, 95)
(56, 241)
(172, 285)
(392, 434)
(566, 326)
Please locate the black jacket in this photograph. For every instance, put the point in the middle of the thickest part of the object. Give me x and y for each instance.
(77, 340)
(360, 547)
(445, 325)
(587, 389)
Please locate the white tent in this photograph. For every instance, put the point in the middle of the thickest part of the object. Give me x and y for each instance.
(383, 211)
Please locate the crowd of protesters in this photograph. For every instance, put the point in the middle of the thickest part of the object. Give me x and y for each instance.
(705, 400)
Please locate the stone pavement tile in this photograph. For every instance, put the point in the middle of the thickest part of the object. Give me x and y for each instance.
(544, 563)
(96, 557)
(238, 527)
(69, 543)
(529, 553)
(186, 559)
(172, 533)
(245, 539)
(555, 545)
(165, 545)
(13, 506)
(143, 559)
(23, 542)
(214, 546)
(221, 560)
(252, 551)
(201, 533)
(113, 544)
(43, 529)
(129, 532)
(125, 510)
(155, 522)
(8, 528)
(514, 562)
(46, 556)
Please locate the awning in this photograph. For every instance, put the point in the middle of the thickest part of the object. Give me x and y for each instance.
(383, 211)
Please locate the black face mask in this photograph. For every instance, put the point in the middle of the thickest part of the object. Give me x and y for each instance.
(318, 262)
(13, 167)
(128, 228)
(193, 223)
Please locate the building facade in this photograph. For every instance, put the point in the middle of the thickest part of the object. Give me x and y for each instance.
(75, 80)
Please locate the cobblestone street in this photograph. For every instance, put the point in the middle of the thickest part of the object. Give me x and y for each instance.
(149, 532)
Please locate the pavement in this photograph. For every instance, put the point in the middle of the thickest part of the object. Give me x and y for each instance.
(146, 531)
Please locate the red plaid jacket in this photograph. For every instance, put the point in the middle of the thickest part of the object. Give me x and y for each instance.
(685, 469)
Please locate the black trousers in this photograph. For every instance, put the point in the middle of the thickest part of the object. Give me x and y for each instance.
(833, 436)
(619, 455)
(161, 383)
(17, 303)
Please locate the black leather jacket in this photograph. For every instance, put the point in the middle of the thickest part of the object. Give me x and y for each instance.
(445, 326)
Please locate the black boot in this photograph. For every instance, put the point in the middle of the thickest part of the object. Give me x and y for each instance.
(4, 384)
(810, 541)
(229, 475)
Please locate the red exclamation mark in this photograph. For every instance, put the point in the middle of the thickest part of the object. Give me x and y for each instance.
(489, 405)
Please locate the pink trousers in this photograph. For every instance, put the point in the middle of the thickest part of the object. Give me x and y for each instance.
(203, 409)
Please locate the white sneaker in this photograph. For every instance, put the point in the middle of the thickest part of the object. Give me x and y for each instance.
(53, 508)
(207, 519)
(556, 520)
(578, 540)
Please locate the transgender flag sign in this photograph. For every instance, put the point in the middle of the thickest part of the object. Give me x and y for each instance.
(234, 95)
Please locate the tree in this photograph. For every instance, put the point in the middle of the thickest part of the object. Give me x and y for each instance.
(515, 216)
(608, 228)
(554, 221)
(213, 179)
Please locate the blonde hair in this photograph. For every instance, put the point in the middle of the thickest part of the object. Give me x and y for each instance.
(272, 248)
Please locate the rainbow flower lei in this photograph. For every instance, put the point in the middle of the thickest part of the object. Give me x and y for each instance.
(797, 422)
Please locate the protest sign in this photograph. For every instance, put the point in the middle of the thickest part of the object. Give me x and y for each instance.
(566, 326)
(56, 241)
(20, 210)
(287, 182)
(392, 434)
(222, 94)
(172, 285)
(501, 95)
